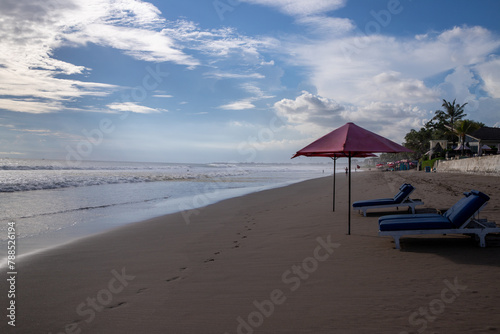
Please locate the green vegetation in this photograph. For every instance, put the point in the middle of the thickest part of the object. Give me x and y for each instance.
(428, 163)
(448, 124)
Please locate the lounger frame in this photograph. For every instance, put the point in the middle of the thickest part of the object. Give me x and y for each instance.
(407, 202)
(473, 226)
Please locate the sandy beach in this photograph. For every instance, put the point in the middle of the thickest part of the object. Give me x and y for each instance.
(277, 261)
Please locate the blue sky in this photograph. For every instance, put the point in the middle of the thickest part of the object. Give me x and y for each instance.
(234, 80)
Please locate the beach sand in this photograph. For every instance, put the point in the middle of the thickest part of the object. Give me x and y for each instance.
(276, 261)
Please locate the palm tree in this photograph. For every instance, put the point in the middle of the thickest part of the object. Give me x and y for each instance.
(465, 127)
(453, 112)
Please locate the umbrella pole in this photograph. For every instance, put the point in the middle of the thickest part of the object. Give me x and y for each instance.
(349, 208)
(334, 168)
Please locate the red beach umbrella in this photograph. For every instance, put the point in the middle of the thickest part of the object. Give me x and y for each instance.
(351, 141)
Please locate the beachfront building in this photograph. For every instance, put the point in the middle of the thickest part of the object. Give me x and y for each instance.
(485, 140)
(437, 146)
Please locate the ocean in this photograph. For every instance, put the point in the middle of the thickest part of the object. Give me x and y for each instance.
(52, 203)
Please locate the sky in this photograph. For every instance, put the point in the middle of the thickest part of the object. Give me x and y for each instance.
(234, 80)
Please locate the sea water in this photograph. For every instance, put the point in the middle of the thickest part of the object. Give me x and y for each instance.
(53, 203)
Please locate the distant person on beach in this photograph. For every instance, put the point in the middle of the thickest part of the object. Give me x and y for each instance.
(346, 170)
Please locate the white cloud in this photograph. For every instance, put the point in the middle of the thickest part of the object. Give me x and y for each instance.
(227, 75)
(12, 153)
(311, 13)
(267, 63)
(33, 29)
(459, 83)
(142, 44)
(313, 114)
(360, 69)
(247, 103)
(253, 89)
(300, 7)
(385, 114)
(166, 96)
(134, 107)
(390, 86)
(30, 106)
(219, 43)
(238, 105)
(309, 108)
(490, 74)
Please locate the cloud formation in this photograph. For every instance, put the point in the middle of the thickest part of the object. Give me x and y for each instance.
(34, 81)
(238, 105)
(347, 66)
(396, 79)
(300, 8)
(309, 108)
(133, 107)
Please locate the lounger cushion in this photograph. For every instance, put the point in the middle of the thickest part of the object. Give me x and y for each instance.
(406, 190)
(455, 217)
(410, 216)
(374, 202)
(420, 223)
(466, 207)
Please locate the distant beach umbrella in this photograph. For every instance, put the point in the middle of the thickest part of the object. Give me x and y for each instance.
(350, 140)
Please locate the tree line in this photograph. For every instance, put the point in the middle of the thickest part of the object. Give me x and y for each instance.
(449, 124)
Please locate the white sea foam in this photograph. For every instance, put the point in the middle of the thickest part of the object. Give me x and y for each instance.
(25, 175)
(51, 201)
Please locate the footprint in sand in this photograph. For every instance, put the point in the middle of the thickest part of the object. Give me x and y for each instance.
(172, 279)
(116, 305)
(76, 322)
(142, 290)
(209, 260)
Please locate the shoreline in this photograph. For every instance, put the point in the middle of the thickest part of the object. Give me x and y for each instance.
(275, 261)
(53, 239)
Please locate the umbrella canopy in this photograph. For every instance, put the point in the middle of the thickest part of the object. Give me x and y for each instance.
(350, 140)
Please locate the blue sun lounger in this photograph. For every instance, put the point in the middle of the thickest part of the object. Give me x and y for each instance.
(459, 219)
(400, 199)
